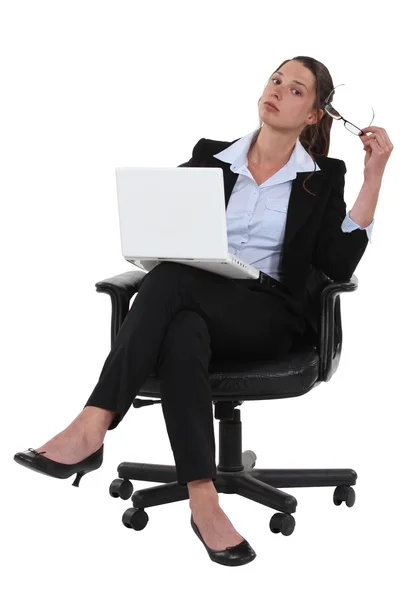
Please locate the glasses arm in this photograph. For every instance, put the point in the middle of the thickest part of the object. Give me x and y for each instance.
(328, 105)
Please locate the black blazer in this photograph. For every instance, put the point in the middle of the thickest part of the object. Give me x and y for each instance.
(313, 235)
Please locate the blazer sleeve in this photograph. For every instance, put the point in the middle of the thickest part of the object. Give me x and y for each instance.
(193, 160)
(336, 252)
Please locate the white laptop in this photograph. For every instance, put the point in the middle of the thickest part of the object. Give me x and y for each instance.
(176, 214)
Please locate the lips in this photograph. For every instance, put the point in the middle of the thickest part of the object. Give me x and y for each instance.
(270, 104)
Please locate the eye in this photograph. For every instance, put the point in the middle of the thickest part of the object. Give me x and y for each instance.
(276, 79)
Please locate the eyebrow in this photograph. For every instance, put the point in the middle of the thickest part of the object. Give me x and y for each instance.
(293, 80)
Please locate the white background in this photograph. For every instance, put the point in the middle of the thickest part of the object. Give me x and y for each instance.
(88, 86)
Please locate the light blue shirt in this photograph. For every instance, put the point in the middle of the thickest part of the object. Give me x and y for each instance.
(256, 214)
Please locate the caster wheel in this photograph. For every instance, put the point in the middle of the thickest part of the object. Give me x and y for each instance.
(344, 493)
(121, 488)
(249, 457)
(135, 518)
(282, 523)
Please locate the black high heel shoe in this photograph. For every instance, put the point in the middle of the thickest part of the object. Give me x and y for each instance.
(33, 460)
(232, 556)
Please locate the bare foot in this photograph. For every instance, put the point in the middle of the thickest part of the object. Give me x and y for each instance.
(69, 446)
(80, 439)
(215, 527)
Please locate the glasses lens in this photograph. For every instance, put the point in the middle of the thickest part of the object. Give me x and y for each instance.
(352, 128)
(332, 112)
(328, 106)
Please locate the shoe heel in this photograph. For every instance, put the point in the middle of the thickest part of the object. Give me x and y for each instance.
(79, 477)
(93, 462)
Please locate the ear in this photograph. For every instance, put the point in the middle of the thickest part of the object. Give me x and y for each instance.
(313, 119)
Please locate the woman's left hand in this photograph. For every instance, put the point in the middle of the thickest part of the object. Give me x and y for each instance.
(378, 148)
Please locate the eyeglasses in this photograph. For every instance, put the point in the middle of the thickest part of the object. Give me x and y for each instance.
(335, 115)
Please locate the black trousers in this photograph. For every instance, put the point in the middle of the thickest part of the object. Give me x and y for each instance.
(180, 318)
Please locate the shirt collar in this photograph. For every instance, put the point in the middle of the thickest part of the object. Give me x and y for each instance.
(236, 155)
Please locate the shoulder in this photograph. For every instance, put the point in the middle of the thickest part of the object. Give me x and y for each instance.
(334, 166)
(205, 147)
(208, 146)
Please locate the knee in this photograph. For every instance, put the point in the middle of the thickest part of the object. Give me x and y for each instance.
(186, 334)
(170, 269)
(168, 274)
(187, 326)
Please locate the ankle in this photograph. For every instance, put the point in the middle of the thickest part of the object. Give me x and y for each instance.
(202, 494)
(96, 418)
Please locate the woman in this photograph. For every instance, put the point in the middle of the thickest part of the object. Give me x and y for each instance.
(186, 315)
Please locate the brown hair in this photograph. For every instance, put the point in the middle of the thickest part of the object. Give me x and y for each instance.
(315, 138)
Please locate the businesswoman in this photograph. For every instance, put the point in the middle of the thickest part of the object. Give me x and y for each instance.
(182, 316)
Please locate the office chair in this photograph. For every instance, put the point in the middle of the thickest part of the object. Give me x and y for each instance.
(314, 357)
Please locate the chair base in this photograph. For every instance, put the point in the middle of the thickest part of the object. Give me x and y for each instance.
(235, 475)
(259, 485)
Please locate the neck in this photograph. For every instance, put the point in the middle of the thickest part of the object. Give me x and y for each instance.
(272, 148)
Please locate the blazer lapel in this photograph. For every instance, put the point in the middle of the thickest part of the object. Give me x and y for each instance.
(301, 202)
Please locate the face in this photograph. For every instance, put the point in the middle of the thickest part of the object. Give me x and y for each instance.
(293, 100)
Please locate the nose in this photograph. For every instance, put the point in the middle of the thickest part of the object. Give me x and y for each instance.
(274, 94)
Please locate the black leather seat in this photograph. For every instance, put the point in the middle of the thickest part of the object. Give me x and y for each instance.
(314, 358)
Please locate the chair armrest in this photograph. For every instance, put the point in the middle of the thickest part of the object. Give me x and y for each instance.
(120, 288)
(330, 327)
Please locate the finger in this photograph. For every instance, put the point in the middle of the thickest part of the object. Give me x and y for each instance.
(368, 138)
(386, 138)
(371, 141)
(364, 136)
(374, 129)
(377, 136)
(381, 140)
(371, 128)
(372, 133)
(372, 144)
(380, 134)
